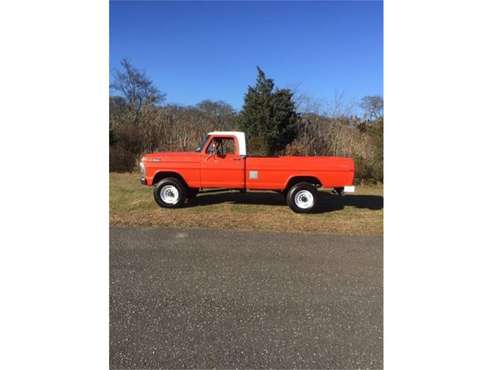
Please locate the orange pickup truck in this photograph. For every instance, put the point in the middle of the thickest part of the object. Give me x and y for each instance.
(221, 162)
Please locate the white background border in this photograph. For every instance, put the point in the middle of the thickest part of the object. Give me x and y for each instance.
(438, 182)
(54, 186)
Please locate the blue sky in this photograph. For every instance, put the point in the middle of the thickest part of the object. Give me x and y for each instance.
(210, 50)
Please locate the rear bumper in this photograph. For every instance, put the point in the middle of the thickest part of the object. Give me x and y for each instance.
(349, 189)
(344, 189)
(143, 180)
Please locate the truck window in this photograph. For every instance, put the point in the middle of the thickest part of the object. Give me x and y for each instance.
(199, 148)
(228, 146)
(223, 146)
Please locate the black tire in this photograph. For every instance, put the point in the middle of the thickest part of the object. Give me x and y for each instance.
(192, 194)
(299, 200)
(176, 193)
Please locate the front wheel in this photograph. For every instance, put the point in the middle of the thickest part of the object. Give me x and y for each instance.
(169, 193)
(302, 197)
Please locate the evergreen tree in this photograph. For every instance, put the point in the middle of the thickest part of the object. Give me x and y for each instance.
(268, 117)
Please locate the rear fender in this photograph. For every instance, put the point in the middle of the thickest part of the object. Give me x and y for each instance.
(302, 178)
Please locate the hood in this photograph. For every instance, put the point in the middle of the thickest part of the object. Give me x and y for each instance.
(169, 156)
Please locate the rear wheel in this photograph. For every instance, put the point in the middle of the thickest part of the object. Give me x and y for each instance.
(170, 193)
(302, 197)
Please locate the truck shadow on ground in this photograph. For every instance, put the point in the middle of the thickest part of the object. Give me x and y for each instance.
(327, 202)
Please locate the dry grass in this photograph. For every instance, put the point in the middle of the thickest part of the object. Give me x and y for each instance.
(360, 214)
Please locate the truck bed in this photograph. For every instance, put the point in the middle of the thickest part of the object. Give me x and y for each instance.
(275, 172)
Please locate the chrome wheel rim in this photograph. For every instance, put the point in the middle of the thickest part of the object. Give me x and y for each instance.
(304, 199)
(169, 194)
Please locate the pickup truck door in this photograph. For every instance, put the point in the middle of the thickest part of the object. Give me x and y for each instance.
(223, 170)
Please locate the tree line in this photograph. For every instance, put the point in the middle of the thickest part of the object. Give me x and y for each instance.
(276, 122)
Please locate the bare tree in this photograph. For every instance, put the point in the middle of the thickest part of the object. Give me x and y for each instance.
(306, 104)
(216, 108)
(339, 107)
(373, 107)
(136, 88)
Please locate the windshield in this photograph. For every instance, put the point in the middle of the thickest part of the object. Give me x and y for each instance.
(201, 146)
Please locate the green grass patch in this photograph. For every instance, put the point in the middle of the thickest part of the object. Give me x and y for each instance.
(360, 213)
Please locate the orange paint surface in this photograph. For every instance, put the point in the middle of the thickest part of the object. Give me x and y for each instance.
(204, 170)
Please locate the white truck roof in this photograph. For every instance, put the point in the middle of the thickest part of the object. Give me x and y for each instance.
(240, 136)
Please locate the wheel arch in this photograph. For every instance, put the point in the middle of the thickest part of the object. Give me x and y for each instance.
(158, 176)
(296, 179)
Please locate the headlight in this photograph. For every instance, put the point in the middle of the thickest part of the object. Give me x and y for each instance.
(142, 169)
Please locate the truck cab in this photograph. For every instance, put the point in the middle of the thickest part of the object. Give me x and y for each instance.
(223, 160)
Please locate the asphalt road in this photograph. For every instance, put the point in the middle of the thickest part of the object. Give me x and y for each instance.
(230, 299)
